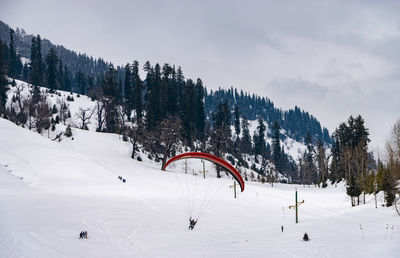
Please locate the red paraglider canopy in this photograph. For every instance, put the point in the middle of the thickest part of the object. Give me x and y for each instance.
(200, 155)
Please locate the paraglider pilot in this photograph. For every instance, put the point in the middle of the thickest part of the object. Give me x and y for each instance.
(192, 223)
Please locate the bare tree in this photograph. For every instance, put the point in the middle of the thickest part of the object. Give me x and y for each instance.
(84, 116)
(43, 116)
(135, 134)
(163, 140)
(29, 107)
(394, 143)
(18, 90)
(322, 161)
(361, 160)
(100, 116)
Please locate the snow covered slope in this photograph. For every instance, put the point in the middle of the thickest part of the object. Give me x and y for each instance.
(50, 191)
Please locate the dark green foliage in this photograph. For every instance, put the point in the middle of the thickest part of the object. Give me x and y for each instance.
(54, 110)
(276, 145)
(153, 96)
(25, 72)
(60, 76)
(67, 79)
(353, 189)
(389, 187)
(110, 100)
(81, 82)
(236, 115)
(129, 100)
(15, 64)
(3, 80)
(199, 119)
(192, 106)
(259, 143)
(231, 159)
(73, 60)
(308, 170)
(295, 121)
(51, 61)
(245, 141)
(350, 156)
(220, 139)
(68, 131)
(137, 91)
(36, 66)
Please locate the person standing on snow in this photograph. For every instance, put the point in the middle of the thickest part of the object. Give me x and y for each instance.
(192, 223)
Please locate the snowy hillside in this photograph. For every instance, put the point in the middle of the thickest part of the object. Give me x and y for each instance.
(292, 147)
(75, 103)
(50, 191)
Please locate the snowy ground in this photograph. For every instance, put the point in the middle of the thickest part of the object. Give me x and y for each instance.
(50, 191)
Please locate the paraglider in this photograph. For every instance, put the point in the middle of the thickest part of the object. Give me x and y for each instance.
(200, 155)
(206, 198)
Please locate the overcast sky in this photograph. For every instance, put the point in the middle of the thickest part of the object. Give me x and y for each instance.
(331, 58)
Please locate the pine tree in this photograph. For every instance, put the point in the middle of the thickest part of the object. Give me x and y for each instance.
(276, 145)
(137, 91)
(60, 75)
(268, 152)
(68, 131)
(389, 186)
(15, 64)
(81, 82)
(3, 79)
(220, 139)
(260, 143)
(245, 141)
(36, 67)
(153, 96)
(353, 189)
(25, 72)
(109, 100)
(236, 115)
(199, 119)
(128, 92)
(51, 61)
(188, 112)
(67, 79)
(120, 93)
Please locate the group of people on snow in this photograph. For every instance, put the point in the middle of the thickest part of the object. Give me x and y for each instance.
(122, 179)
(83, 235)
